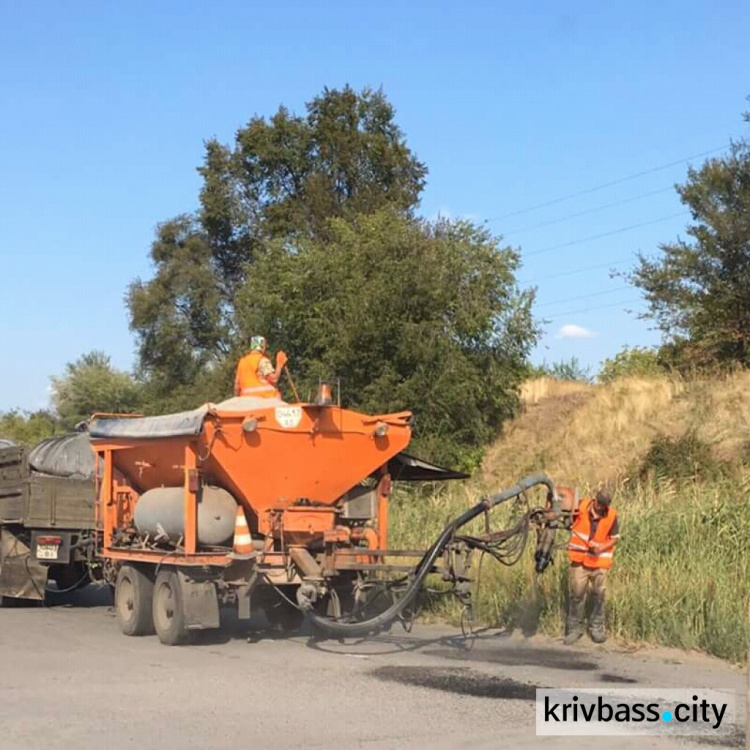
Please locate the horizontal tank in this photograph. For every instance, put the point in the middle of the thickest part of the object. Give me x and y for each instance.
(161, 512)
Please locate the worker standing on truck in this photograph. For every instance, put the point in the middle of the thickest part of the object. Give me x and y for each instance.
(595, 531)
(256, 375)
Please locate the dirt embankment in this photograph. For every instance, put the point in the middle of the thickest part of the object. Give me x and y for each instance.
(587, 434)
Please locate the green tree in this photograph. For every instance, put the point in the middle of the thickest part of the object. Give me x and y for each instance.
(636, 361)
(91, 384)
(307, 232)
(409, 314)
(284, 177)
(182, 317)
(564, 369)
(29, 428)
(698, 290)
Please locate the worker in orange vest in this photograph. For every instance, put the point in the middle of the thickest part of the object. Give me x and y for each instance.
(595, 532)
(256, 375)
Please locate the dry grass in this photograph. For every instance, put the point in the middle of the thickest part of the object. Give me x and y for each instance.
(539, 389)
(587, 434)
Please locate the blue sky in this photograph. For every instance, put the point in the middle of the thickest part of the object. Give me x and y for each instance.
(105, 108)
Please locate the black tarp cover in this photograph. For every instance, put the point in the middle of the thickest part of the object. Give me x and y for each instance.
(64, 456)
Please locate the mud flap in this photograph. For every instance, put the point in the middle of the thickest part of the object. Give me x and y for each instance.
(243, 603)
(242, 575)
(200, 603)
(21, 576)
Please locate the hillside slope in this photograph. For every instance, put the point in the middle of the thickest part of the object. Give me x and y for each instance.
(677, 454)
(586, 434)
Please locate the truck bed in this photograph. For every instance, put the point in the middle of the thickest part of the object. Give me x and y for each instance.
(38, 500)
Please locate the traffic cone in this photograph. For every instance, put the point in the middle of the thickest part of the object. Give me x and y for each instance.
(243, 542)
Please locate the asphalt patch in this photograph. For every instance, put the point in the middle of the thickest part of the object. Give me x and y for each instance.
(519, 656)
(737, 738)
(459, 680)
(617, 678)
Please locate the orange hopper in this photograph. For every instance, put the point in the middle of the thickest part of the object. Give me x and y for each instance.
(267, 454)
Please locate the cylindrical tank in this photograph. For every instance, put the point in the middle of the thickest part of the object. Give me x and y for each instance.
(162, 511)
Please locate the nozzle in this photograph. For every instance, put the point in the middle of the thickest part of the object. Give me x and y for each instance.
(543, 555)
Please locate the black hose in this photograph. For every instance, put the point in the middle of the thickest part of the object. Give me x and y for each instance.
(423, 568)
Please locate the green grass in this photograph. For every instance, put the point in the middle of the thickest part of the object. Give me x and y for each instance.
(681, 575)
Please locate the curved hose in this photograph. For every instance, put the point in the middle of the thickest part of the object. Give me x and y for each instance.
(366, 627)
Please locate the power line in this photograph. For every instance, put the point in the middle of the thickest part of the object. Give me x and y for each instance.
(583, 296)
(588, 211)
(605, 234)
(597, 267)
(605, 185)
(557, 316)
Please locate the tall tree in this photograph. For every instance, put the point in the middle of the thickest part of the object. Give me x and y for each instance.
(182, 317)
(307, 233)
(410, 314)
(698, 290)
(284, 177)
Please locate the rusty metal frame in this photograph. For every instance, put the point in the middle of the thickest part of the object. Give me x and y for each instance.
(191, 501)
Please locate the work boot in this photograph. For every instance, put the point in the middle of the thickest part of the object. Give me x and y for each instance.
(573, 635)
(598, 634)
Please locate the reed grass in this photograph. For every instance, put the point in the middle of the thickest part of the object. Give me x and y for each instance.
(681, 575)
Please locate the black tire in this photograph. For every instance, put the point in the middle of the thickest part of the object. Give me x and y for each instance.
(134, 593)
(168, 612)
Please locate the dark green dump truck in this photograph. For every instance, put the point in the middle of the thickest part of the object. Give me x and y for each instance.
(47, 516)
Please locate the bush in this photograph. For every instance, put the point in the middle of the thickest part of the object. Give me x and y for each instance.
(565, 369)
(638, 361)
(683, 458)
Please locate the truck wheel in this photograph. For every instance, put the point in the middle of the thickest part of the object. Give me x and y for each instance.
(169, 615)
(133, 596)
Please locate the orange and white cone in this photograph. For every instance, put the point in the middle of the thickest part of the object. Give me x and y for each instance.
(243, 542)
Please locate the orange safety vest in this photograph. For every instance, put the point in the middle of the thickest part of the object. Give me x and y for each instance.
(250, 381)
(578, 547)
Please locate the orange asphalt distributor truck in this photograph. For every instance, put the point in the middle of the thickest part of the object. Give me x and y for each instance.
(255, 502)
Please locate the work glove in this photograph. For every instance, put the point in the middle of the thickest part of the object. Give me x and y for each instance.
(281, 359)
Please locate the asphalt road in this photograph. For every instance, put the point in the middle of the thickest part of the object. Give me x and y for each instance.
(69, 679)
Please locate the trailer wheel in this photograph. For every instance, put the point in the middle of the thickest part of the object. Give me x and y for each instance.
(169, 614)
(133, 597)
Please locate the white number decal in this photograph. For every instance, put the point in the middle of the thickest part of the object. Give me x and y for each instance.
(289, 416)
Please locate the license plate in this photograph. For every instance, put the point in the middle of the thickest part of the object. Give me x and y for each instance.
(47, 551)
